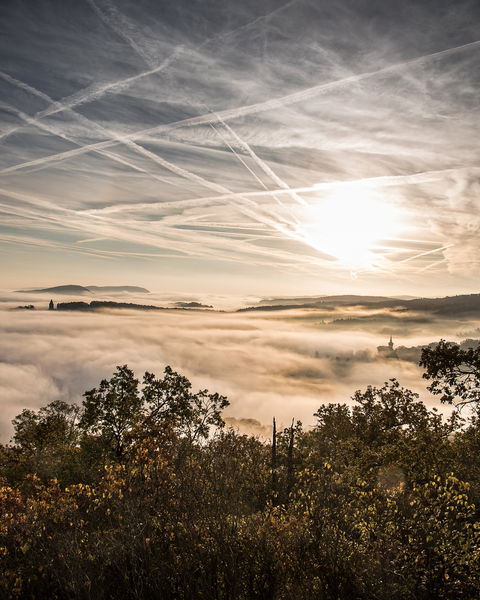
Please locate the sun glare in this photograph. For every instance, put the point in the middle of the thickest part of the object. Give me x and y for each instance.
(349, 222)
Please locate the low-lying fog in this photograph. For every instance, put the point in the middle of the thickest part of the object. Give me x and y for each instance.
(283, 363)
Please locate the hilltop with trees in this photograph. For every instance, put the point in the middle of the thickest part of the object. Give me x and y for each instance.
(142, 492)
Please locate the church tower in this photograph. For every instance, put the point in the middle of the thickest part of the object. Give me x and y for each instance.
(51, 305)
(387, 351)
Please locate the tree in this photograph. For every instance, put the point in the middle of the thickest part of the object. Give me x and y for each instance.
(52, 425)
(382, 413)
(171, 398)
(113, 409)
(455, 373)
(379, 500)
(387, 431)
(118, 410)
(45, 441)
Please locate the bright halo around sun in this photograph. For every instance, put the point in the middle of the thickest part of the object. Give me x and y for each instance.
(349, 222)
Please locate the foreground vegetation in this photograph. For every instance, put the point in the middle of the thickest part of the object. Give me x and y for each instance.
(142, 493)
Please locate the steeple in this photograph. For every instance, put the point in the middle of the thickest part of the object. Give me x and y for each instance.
(388, 351)
(51, 305)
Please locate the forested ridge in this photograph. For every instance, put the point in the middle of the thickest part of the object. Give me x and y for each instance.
(142, 492)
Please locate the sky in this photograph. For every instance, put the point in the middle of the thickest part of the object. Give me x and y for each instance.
(272, 147)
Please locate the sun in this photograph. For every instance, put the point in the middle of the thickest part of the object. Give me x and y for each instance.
(348, 223)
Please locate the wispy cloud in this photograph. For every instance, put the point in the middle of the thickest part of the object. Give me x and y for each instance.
(243, 111)
(211, 133)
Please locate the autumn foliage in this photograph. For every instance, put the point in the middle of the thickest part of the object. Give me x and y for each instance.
(143, 493)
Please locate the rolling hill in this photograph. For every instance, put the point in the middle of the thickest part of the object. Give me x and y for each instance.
(466, 305)
(80, 290)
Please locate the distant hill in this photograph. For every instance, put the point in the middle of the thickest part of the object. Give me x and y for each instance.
(74, 290)
(467, 305)
(97, 304)
(290, 300)
(131, 289)
(326, 302)
(351, 300)
(66, 290)
(319, 300)
(192, 304)
(94, 305)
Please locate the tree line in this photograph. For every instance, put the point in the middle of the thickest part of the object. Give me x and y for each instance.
(142, 492)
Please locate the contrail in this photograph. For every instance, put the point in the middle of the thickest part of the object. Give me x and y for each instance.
(260, 19)
(248, 207)
(240, 158)
(112, 20)
(246, 110)
(88, 94)
(204, 199)
(250, 210)
(394, 266)
(97, 226)
(26, 88)
(432, 265)
(261, 163)
(109, 19)
(54, 131)
(136, 234)
(425, 253)
(120, 24)
(178, 170)
(100, 129)
(244, 146)
(381, 181)
(253, 214)
(215, 247)
(130, 144)
(29, 241)
(292, 98)
(97, 91)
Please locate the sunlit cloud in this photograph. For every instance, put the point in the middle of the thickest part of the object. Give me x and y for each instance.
(194, 138)
(283, 364)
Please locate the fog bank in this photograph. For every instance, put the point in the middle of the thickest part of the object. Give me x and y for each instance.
(284, 364)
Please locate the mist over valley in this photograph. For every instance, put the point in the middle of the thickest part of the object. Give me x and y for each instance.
(269, 360)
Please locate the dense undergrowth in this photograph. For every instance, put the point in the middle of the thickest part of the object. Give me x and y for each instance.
(142, 493)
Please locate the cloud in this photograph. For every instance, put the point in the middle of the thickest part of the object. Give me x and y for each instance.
(108, 114)
(23, 386)
(249, 427)
(458, 221)
(283, 365)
